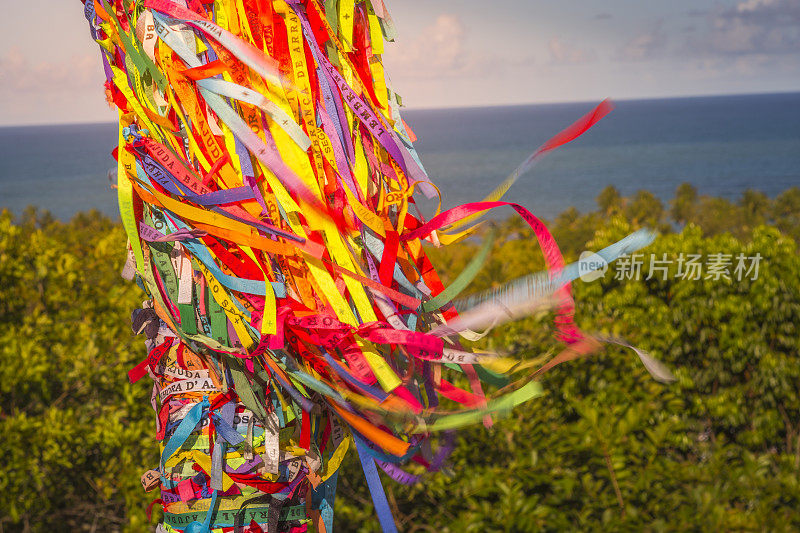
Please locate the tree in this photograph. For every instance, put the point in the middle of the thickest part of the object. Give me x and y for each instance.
(609, 200)
(644, 209)
(684, 205)
(787, 212)
(609, 448)
(606, 447)
(755, 206)
(75, 432)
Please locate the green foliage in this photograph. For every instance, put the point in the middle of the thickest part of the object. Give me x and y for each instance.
(682, 207)
(786, 212)
(76, 434)
(712, 215)
(718, 450)
(606, 447)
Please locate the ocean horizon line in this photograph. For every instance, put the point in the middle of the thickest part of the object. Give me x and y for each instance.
(709, 96)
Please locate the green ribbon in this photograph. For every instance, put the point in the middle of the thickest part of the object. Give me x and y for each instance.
(142, 61)
(464, 278)
(504, 403)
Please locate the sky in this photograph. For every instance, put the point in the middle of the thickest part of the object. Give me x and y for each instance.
(453, 53)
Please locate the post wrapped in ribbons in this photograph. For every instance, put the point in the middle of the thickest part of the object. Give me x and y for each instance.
(266, 185)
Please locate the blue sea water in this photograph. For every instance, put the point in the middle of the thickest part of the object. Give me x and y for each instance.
(722, 145)
(63, 169)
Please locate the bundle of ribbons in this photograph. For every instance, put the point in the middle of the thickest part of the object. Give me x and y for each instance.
(266, 184)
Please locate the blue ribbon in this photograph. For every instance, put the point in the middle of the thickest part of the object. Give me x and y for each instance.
(376, 490)
(375, 392)
(186, 427)
(225, 431)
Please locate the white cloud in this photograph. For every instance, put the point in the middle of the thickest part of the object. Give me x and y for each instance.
(757, 27)
(755, 6)
(565, 54)
(38, 90)
(21, 73)
(438, 50)
(752, 5)
(646, 45)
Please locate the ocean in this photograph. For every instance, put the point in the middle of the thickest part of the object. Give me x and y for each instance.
(723, 145)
